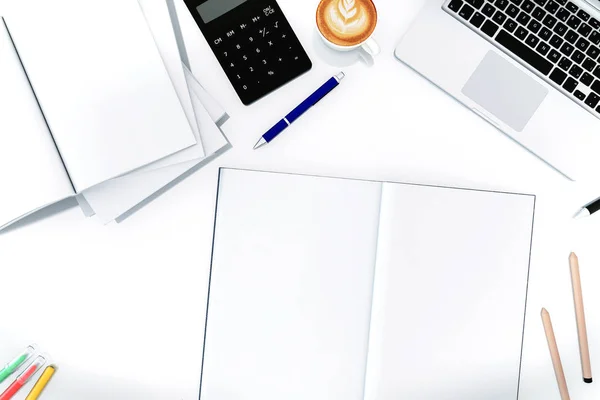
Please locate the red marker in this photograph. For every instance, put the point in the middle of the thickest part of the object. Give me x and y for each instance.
(23, 378)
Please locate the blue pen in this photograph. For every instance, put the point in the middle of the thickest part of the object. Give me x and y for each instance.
(313, 99)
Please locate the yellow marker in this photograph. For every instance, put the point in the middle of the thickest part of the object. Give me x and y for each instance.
(41, 383)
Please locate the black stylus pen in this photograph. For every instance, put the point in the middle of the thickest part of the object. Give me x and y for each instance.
(588, 210)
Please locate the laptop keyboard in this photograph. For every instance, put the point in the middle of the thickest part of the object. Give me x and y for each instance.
(555, 38)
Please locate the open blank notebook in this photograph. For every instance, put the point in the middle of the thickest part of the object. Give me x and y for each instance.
(337, 289)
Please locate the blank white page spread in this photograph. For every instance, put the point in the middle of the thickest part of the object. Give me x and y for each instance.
(101, 84)
(291, 287)
(449, 294)
(25, 142)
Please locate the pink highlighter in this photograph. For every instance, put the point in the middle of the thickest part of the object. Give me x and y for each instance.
(23, 378)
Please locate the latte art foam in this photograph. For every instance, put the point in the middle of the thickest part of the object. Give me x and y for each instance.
(346, 22)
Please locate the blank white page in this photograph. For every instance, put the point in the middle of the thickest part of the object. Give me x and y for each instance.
(449, 297)
(157, 15)
(291, 287)
(32, 173)
(101, 84)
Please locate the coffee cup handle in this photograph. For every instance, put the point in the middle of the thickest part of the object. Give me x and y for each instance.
(371, 47)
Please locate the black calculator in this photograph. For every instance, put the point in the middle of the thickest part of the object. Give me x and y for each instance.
(253, 42)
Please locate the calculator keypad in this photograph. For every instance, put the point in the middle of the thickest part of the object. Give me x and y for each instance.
(257, 49)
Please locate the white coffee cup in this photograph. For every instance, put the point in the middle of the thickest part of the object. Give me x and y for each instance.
(369, 45)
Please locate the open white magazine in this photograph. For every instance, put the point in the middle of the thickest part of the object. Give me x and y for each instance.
(339, 289)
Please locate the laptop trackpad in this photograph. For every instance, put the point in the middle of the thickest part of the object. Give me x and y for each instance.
(505, 91)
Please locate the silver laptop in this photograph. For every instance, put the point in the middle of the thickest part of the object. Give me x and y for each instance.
(529, 67)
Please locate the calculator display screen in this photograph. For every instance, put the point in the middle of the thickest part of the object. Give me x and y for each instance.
(213, 9)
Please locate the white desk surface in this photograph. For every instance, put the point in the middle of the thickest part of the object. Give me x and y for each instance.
(121, 307)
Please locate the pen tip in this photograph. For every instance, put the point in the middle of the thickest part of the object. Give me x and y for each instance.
(260, 143)
(584, 212)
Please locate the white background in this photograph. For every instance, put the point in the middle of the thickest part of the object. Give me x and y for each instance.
(121, 307)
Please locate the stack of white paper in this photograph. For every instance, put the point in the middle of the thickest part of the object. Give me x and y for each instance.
(115, 114)
(114, 199)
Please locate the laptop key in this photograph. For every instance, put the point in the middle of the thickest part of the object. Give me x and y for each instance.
(545, 34)
(578, 57)
(575, 71)
(571, 36)
(563, 15)
(534, 26)
(517, 2)
(572, 7)
(477, 20)
(521, 33)
(538, 13)
(574, 22)
(582, 44)
(543, 48)
(557, 76)
(528, 6)
(523, 18)
(594, 23)
(524, 52)
(562, 2)
(565, 63)
(560, 29)
(512, 11)
(586, 79)
(583, 15)
(593, 52)
(455, 5)
(510, 25)
(597, 72)
(556, 41)
(592, 100)
(532, 40)
(466, 12)
(549, 21)
(570, 85)
(596, 86)
(589, 64)
(567, 49)
(499, 17)
(584, 29)
(489, 28)
(552, 7)
(579, 95)
(488, 10)
(554, 56)
(595, 38)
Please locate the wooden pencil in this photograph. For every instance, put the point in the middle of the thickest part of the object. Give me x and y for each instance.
(584, 349)
(558, 369)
